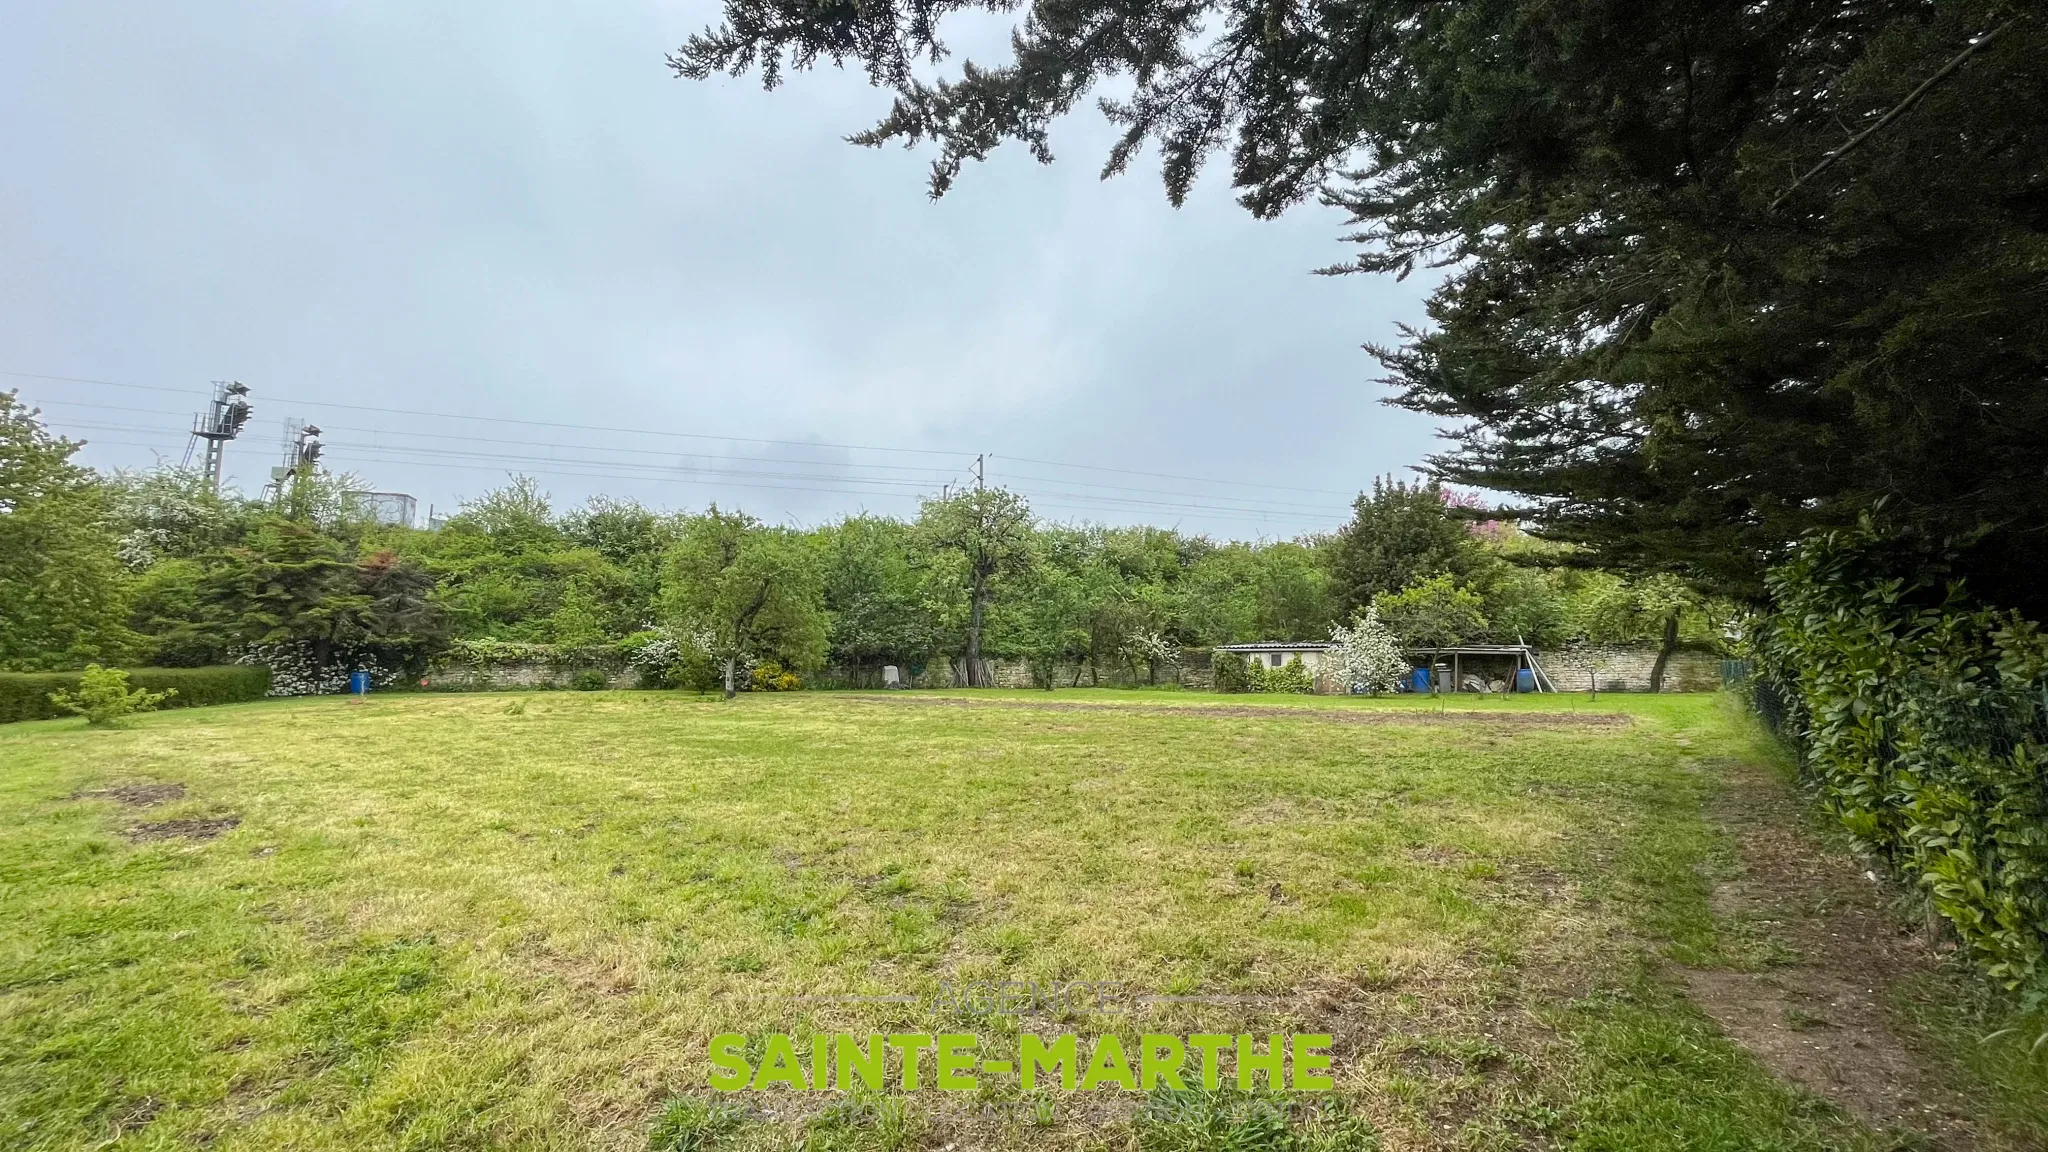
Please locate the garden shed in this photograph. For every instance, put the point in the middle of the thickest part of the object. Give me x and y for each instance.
(1276, 653)
(1483, 667)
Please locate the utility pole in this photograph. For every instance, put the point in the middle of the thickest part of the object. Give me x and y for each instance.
(221, 424)
(980, 459)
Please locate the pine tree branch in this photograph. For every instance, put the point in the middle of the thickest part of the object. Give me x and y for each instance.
(1898, 110)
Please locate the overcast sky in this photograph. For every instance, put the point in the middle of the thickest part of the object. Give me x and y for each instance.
(514, 212)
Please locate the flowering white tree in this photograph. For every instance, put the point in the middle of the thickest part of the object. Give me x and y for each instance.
(1367, 657)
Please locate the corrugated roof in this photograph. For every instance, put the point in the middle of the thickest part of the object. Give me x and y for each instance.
(1279, 646)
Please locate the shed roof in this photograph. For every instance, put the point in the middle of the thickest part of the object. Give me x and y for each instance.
(1279, 646)
(1471, 649)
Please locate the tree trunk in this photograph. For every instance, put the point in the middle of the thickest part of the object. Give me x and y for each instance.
(731, 669)
(974, 612)
(1664, 654)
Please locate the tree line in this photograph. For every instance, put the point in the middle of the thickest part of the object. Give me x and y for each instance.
(155, 568)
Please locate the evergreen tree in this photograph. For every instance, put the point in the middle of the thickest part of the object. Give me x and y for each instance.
(1399, 534)
(1719, 272)
(291, 584)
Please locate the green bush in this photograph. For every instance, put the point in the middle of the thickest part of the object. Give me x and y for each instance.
(26, 695)
(1921, 720)
(104, 698)
(589, 680)
(1233, 673)
(1295, 677)
(770, 676)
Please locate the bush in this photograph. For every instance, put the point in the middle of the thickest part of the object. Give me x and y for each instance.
(1921, 720)
(104, 698)
(26, 695)
(769, 676)
(1233, 673)
(589, 680)
(1294, 677)
(668, 658)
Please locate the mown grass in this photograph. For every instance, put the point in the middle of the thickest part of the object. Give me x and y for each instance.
(474, 921)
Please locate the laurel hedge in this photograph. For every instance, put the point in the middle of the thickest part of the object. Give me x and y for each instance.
(1921, 721)
(26, 695)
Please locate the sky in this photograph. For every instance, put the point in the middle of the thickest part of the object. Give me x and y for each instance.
(469, 240)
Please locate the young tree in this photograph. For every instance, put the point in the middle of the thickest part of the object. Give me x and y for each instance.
(104, 699)
(1367, 656)
(988, 530)
(754, 589)
(1435, 612)
(63, 600)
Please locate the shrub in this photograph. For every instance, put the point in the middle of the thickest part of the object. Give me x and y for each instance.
(670, 658)
(26, 695)
(104, 698)
(1921, 720)
(769, 676)
(1294, 677)
(1233, 673)
(1366, 657)
(589, 680)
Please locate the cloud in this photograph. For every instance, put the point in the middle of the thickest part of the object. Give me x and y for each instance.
(515, 211)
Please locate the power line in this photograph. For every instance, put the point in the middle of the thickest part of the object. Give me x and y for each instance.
(706, 436)
(272, 397)
(1064, 487)
(1065, 501)
(1169, 476)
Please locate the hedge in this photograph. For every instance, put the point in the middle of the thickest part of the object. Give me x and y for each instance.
(1921, 721)
(26, 695)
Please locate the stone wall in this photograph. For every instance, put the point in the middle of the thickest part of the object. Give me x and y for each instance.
(1614, 667)
(500, 677)
(1626, 668)
(1194, 673)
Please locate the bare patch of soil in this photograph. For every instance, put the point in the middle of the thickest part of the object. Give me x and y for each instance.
(1518, 720)
(1819, 1019)
(135, 795)
(187, 829)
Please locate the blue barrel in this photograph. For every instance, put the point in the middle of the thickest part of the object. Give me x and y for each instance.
(359, 682)
(1525, 680)
(1419, 679)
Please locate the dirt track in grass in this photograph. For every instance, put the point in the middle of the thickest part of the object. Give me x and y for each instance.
(1503, 719)
(1818, 1017)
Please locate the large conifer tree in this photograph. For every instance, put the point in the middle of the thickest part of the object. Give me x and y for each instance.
(1720, 271)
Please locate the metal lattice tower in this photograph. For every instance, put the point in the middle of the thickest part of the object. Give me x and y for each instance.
(222, 423)
(301, 454)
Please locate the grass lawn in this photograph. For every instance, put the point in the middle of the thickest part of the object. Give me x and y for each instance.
(464, 921)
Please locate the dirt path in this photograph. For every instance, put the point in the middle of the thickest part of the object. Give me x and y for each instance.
(1278, 712)
(1818, 1019)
